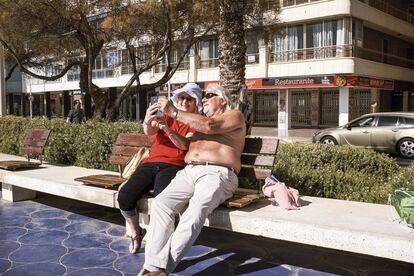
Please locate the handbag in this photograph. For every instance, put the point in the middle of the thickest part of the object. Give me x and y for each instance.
(134, 162)
(403, 202)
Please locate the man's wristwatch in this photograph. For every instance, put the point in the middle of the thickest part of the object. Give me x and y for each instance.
(174, 113)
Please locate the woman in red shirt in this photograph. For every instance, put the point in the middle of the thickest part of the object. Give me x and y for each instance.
(169, 146)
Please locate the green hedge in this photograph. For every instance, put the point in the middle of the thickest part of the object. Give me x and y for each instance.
(341, 172)
(87, 145)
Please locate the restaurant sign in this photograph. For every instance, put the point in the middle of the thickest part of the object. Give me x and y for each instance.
(297, 82)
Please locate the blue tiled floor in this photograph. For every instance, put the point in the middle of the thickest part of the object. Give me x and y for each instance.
(56, 236)
(52, 236)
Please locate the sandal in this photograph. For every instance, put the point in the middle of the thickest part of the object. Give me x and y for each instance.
(136, 242)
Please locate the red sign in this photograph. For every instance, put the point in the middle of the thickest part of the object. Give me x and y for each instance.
(358, 81)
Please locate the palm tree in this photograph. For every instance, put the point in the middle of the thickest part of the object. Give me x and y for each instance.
(232, 46)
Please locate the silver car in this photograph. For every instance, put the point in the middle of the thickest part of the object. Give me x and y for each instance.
(391, 132)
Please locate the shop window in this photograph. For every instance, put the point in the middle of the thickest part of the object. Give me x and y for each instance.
(265, 108)
(361, 103)
(300, 108)
(329, 108)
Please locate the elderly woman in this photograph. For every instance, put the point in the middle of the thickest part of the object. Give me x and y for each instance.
(169, 146)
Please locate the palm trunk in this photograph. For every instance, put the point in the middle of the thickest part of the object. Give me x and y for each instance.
(232, 47)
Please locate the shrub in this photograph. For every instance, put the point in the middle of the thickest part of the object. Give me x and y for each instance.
(86, 145)
(341, 172)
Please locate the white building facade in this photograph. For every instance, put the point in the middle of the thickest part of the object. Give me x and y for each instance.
(332, 61)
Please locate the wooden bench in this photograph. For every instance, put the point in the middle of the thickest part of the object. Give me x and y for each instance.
(257, 163)
(125, 147)
(33, 146)
(258, 159)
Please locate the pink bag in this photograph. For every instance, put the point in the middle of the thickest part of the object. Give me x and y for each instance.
(286, 197)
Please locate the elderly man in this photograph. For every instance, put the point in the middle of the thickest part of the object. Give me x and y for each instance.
(210, 177)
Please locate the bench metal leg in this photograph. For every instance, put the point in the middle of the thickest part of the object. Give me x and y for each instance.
(14, 193)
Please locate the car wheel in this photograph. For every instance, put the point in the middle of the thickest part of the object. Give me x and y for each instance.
(406, 147)
(329, 140)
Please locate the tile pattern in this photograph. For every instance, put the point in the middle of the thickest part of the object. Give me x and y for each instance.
(52, 236)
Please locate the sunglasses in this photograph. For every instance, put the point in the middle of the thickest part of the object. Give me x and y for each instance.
(209, 95)
(189, 98)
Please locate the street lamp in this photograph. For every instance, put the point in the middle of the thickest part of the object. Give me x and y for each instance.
(2, 83)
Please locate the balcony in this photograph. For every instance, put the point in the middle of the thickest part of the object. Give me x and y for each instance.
(288, 3)
(312, 53)
(184, 65)
(387, 7)
(340, 52)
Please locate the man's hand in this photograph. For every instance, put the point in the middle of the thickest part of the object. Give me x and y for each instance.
(167, 107)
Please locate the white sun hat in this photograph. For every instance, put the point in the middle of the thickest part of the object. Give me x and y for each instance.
(193, 90)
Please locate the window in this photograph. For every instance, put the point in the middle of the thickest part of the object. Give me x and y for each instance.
(404, 121)
(209, 53)
(252, 48)
(364, 122)
(384, 121)
(285, 44)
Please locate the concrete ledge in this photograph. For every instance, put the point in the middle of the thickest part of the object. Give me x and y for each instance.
(59, 180)
(350, 226)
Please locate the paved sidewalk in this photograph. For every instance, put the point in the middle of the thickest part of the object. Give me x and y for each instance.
(302, 135)
(55, 236)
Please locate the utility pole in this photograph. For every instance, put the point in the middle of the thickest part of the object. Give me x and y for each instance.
(2, 83)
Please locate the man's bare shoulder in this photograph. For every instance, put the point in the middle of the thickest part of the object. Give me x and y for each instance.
(233, 113)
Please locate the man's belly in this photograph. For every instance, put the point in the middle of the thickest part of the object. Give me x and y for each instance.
(222, 155)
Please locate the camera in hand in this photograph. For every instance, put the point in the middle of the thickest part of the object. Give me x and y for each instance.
(153, 100)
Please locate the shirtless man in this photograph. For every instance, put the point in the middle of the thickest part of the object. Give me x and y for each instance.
(209, 179)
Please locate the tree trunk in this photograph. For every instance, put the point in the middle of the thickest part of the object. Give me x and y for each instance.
(99, 96)
(232, 47)
(232, 55)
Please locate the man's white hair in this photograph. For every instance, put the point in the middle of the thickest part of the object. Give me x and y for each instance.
(222, 92)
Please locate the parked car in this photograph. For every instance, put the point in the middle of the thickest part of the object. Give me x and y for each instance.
(391, 132)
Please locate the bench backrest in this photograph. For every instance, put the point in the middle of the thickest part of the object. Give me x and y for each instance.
(258, 157)
(126, 146)
(35, 142)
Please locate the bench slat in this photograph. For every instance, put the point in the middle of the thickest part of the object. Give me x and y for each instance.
(257, 160)
(105, 180)
(38, 134)
(258, 173)
(34, 143)
(119, 160)
(32, 150)
(15, 165)
(133, 140)
(124, 150)
(261, 145)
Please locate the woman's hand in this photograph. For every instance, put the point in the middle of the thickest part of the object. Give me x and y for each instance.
(150, 115)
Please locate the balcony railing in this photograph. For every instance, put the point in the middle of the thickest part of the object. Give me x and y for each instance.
(208, 63)
(338, 52)
(387, 7)
(373, 55)
(312, 53)
(184, 65)
(288, 3)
